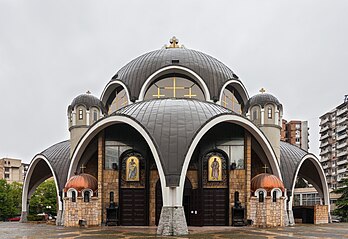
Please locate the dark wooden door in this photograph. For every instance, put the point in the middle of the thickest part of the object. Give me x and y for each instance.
(159, 201)
(133, 207)
(196, 212)
(215, 210)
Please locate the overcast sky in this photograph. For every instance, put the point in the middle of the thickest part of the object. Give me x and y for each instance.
(52, 51)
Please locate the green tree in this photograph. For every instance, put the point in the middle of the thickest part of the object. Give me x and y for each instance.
(44, 199)
(342, 202)
(10, 199)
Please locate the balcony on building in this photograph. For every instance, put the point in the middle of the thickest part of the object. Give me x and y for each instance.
(341, 111)
(324, 144)
(324, 120)
(341, 120)
(326, 127)
(342, 170)
(341, 144)
(324, 136)
(342, 161)
(341, 128)
(324, 159)
(341, 136)
(342, 153)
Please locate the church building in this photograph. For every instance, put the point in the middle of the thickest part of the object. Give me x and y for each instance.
(174, 141)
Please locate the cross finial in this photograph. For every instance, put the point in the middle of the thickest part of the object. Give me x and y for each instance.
(82, 168)
(174, 42)
(265, 168)
(262, 90)
(88, 92)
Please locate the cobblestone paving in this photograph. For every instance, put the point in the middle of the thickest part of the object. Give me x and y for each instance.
(11, 230)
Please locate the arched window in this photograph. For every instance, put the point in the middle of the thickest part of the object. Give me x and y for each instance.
(261, 196)
(73, 196)
(270, 112)
(274, 196)
(254, 114)
(174, 87)
(86, 196)
(230, 101)
(80, 114)
(95, 115)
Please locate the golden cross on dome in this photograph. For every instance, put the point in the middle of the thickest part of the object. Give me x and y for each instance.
(174, 42)
(88, 92)
(158, 93)
(190, 93)
(262, 90)
(82, 168)
(265, 168)
(174, 87)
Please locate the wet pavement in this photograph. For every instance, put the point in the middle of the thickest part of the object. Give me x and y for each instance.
(9, 230)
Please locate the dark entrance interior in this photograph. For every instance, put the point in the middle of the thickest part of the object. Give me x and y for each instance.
(304, 214)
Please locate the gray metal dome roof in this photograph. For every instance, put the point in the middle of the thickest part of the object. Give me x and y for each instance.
(172, 124)
(58, 157)
(88, 100)
(213, 72)
(262, 99)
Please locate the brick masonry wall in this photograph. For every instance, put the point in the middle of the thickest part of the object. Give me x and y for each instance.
(154, 177)
(80, 210)
(321, 214)
(110, 184)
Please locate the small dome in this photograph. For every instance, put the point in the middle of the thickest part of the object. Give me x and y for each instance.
(267, 182)
(262, 99)
(88, 100)
(82, 181)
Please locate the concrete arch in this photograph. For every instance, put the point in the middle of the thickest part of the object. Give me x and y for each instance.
(182, 69)
(241, 121)
(102, 124)
(27, 192)
(110, 87)
(240, 88)
(322, 189)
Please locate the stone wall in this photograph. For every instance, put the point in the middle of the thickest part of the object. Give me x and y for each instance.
(321, 214)
(267, 213)
(110, 184)
(80, 210)
(154, 177)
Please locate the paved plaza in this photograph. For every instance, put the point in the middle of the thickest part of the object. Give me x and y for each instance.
(9, 230)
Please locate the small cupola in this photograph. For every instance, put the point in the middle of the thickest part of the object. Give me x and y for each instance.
(267, 182)
(81, 182)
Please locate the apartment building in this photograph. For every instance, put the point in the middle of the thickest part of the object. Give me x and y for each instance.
(334, 144)
(12, 170)
(296, 132)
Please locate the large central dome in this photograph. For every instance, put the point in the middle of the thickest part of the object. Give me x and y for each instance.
(213, 72)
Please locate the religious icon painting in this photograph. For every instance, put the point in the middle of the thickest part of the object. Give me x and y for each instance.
(132, 169)
(214, 168)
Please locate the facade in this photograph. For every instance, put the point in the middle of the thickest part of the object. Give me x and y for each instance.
(12, 170)
(334, 144)
(175, 141)
(296, 132)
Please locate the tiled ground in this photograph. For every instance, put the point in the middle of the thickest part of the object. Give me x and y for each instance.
(9, 230)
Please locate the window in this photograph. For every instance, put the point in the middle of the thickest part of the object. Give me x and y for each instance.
(7, 176)
(254, 114)
(113, 151)
(80, 114)
(95, 115)
(274, 196)
(7, 169)
(270, 112)
(174, 87)
(229, 100)
(261, 196)
(86, 196)
(111, 197)
(73, 196)
(235, 151)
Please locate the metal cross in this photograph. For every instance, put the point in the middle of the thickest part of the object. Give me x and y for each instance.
(262, 90)
(174, 87)
(265, 167)
(82, 168)
(158, 93)
(174, 42)
(190, 93)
